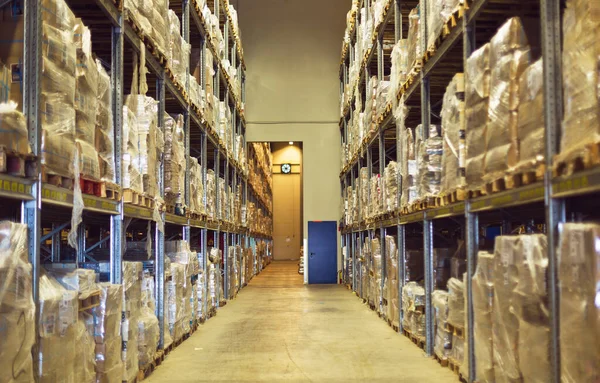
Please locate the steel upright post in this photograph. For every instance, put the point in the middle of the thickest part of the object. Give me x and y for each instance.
(159, 266)
(429, 285)
(472, 226)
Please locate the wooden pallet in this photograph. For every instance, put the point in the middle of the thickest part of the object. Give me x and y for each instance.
(458, 331)
(522, 178)
(56, 180)
(475, 193)
(454, 366)
(17, 164)
(89, 302)
(585, 158)
(133, 197)
(90, 187)
(419, 341)
(147, 370)
(496, 186)
(110, 191)
(441, 360)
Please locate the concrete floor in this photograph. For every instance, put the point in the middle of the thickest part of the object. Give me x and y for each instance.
(278, 330)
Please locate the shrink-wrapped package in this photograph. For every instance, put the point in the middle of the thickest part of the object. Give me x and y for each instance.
(429, 162)
(365, 202)
(179, 49)
(85, 359)
(132, 306)
(13, 129)
(415, 51)
(442, 258)
(148, 328)
(580, 57)
(456, 303)
(17, 309)
(483, 293)
(132, 178)
(106, 324)
(176, 301)
(530, 304)
(442, 344)
(57, 358)
(174, 160)
(505, 324)
(408, 164)
(86, 87)
(375, 198)
(81, 280)
(530, 131)
(398, 70)
(452, 114)
(5, 82)
(104, 126)
(196, 187)
(579, 276)
(391, 186)
(477, 93)
(413, 308)
(211, 197)
(438, 12)
(509, 57)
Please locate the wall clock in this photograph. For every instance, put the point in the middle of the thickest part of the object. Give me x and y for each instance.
(286, 168)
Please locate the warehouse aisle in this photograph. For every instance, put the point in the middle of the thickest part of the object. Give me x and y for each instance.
(279, 330)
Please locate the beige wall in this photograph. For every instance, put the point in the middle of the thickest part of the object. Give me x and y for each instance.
(287, 194)
(292, 52)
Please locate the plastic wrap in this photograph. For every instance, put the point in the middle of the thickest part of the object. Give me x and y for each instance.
(530, 304)
(579, 276)
(477, 93)
(132, 178)
(442, 344)
(81, 280)
(429, 162)
(17, 309)
(364, 192)
(106, 324)
(86, 85)
(148, 335)
(505, 325)
(376, 196)
(174, 159)
(580, 57)
(398, 70)
(175, 300)
(413, 309)
(415, 51)
(452, 115)
(483, 293)
(132, 307)
(509, 57)
(530, 131)
(104, 126)
(456, 303)
(57, 358)
(179, 49)
(85, 362)
(13, 129)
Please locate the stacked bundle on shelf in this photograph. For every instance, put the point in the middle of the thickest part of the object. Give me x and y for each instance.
(365, 203)
(211, 196)
(415, 50)
(196, 187)
(391, 269)
(222, 203)
(132, 311)
(5, 81)
(390, 176)
(150, 141)
(365, 259)
(375, 197)
(13, 132)
(104, 126)
(184, 265)
(579, 275)
(429, 162)
(178, 58)
(408, 165)
(477, 97)
(86, 88)
(152, 17)
(413, 309)
(209, 103)
(17, 309)
(132, 178)
(398, 71)
(175, 301)
(148, 329)
(581, 46)
(201, 296)
(452, 115)
(371, 104)
(105, 324)
(375, 274)
(175, 163)
(483, 293)
(509, 57)
(438, 13)
(442, 344)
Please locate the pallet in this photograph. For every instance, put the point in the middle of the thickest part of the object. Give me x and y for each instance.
(17, 164)
(585, 158)
(522, 178)
(419, 341)
(90, 187)
(91, 301)
(56, 180)
(110, 191)
(454, 366)
(134, 198)
(147, 370)
(443, 361)
(475, 193)
(496, 186)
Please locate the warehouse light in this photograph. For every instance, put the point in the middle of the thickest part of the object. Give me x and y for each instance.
(291, 142)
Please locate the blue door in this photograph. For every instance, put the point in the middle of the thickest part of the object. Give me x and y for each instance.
(322, 252)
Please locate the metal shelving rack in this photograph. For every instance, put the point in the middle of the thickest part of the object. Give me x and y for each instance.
(44, 207)
(543, 203)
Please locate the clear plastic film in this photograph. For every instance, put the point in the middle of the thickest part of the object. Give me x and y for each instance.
(579, 276)
(132, 307)
(174, 159)
(77, 212)
(483, 293)
(175, 300)
(456, 303)
(376, 268)
(56, 356)
(580, 68)
(505, 324)
(85, 364)
(408, 168)
(413, 309)
(17, 309)
(429, 160)
(148, 336)
(179, 49)
(452, 115)
(104, 126)
(376, 197)
(398, 70)
(81, 280)
(13, 129)
(477, 93)
(509, 57)
(105, 324)
(415, 51)
(391, 186)
(86, 85)
(364, 192)
(132, 178)
(442, 344)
